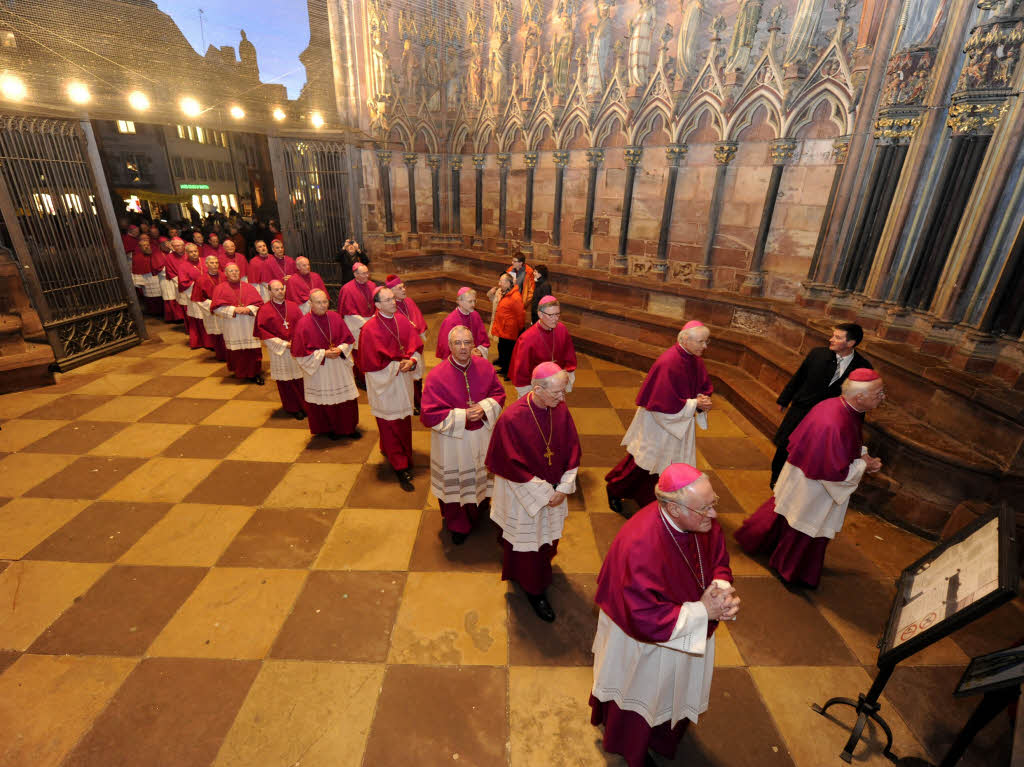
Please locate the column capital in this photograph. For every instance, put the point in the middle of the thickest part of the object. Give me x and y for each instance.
(433, 161)
(530, 158)
(725, 151)
(410, 159)
(782, 150)
(633, 155)
(967, 117)
(561, 159)
(479, 161)
(897, 129)
(675, 153)
(840, 149)
(595, 156)
(504, 159)
(384, 156)
(455, 161)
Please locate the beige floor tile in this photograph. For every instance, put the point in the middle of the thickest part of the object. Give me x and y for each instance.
(214, 387)
(748, 487)
(577, 549)
(596, 420)
(789, 691)
(34, 594)
(17, 435)
(125, 409)
(162, 480)
(451, 619)
(141, 440)
(23, 471)
(234, 612)
(241, 413)
(175, 350)
(189, 535)
(550, 715)
(26, 522)
(313, 714)
(586, 379)
(726, 651)
(114, 383)
(721, 425)
(197, 367)
(621, 397)
(48, 702)
(18, 403)
(369, 539)
(284, 445)
(739, 562)
(314, 486)
(702, 462)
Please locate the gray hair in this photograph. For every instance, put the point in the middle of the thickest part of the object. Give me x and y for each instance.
(546, 383)
(471, 293)
(688, 332)
(458, 329)
(853, 389)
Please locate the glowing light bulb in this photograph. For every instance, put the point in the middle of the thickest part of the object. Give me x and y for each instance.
(317, 119)
(138, 100)
(79, 93)
(237, 112)
(279, 114)
(12, 88)
(190, 107)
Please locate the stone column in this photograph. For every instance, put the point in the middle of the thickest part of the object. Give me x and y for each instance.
(530, 158)
(840, 150)
(504, 159)
(674, 153)
(594, 158)
(384, 169)
(455, 163)
(725, 151)
(632, 155)
(781, 150)
(561, 160)
(410, 159)
(479, 161)
(434, 163)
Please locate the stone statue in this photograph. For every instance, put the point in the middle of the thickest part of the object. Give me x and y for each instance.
(561, 53)
(599, 48)
(247, 55)
(476, 74)
(430, 82)
(409, 76)
(381, 66)
(498, 77)
(687, 62)
(742, 43)
(801, 36)
(923, 27)
(531, 58)
(641, 32)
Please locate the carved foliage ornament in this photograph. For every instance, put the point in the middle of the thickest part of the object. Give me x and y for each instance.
(479, 161)
(975, 118)
(633, 155)
(674, 153)
(840, 149)
(782, 150)
(725, 152)
(897, 128)
(561, 159)
(595, 156)
(992, 54)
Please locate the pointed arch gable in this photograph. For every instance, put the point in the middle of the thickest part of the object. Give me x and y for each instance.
(688, 120)
(743, 115)
(403, 134)
(567, 127)
(424, 129)
(535, 134)
(803, 109)
(614, 114)
(482, 135)
(644, 122)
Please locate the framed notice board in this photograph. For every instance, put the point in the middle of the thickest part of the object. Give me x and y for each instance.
(960, 580)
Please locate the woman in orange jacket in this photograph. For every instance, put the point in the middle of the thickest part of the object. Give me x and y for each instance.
(509, 319)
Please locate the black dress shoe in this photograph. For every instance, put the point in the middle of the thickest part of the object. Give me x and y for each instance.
(615, 504)
(355, 434)
(335, 437)
(459, 538)
(405, 480)
(299, 416)
(541, 606)
(257, 379)
(415, 411)
(649, 760)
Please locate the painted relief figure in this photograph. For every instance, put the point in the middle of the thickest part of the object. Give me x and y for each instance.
(600, 49)
(641, 31)
(689, 38)
(742, 43)
(801, 36)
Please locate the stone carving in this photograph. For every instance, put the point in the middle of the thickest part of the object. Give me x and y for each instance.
(500, 27)
(782, 150)
(382, 82)
(561, 159)
(725, 151)
(925, 20)
(531, 58)
(409, 70)
(899, 128)
(906, 79)
(646, 266)
(641, 32)
(752, 322)
(801, 36)
(599, 48)
(840, 149)
(430, 79)
(561, 50)
(687, 54)
(476, 73)
(992, 53)
(633, 155)
(975, 118)
(741, 46)
(682, 271)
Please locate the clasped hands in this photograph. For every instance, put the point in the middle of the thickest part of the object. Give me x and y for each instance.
(333, 353)
(722, 604)
(475, 413)
(703, 403)
(873, 464)
(555, 499)
(406, 365)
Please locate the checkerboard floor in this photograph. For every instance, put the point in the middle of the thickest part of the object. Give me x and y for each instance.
(187, 578)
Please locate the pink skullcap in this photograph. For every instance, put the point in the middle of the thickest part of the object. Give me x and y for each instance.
(545, 370)
(547, 300)
(463, 291)
(864, 374)
(677, 476)
(378, 289)
(175, 239)
(393, 281)
(693, 324)
(355, 267)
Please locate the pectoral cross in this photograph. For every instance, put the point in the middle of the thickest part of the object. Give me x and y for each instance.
(548, 454)
(286, 324)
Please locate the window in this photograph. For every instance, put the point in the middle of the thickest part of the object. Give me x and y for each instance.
(200, 136)
(234, 202)
(179, 167)
(211, 169)
(125, 126)
(224, 202)
(72, 202)
(136, 167)
(191, 133)
(196, 204)
(190, 168)
(206, 201)
(181, 132)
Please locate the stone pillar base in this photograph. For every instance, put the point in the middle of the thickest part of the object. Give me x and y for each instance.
(898, 325)
(619, 265)
(873, 313)
(554, 255)
(815, 295)
(753, 285)
(526, 247)
(842, 306)
(501, 246)
(702, 277)
(978, 352)
(413, 241)
(585, 259)
(477, 243)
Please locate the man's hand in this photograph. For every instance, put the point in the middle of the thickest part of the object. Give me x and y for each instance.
(474, 413)
(556, 499)
(333, 353)
(722, 604)
(477, 353)
(406, 365)
(703, 402)
(873, 464)
(242, 310)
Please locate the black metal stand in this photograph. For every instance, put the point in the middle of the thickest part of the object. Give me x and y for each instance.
(867, 708)
(991, 705)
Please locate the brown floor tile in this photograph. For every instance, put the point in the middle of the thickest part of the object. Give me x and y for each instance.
(606, 527)
(163, 385)
(732, 453)
(567, 641)
(182, 411)
(68, 407)
(432, 734)
(727, 503)
(125, 409)
(15, 404)
(717, 738)
(860, 621)
(889, 547)
(434, 549)
(280, 538)
(379, 488)
(586, 396)
(152, 367)
(168, 712)
(281, 419)
(739, 561)
(265, 393)
(77, 438)
(76, 379)
(748, 486)
(88, 477)
(626, 378)
(100, 533)
(122, 613)
(207, 442)
(115, 382)
(997, 630)
(625, 417)
(808, 639)
(602, 450)
(342, 616)
(7, 658)
(240, 413)
(583, 362)
(845, 557)
(238, 483)
(321, 449)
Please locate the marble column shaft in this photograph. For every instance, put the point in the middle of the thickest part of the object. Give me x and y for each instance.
(434, 163)
(673, 154)
(504, 158)
(530, 158)
(633, 155)
(479, 161)
(410, 159)
(561, 160)
(725, 151)
(384, 168)
(839, 150)
(456, 165)
(781, 150)
(594, 158)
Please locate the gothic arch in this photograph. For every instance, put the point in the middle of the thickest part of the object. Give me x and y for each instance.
(689, 120)
(567, 127)
(459, 138)
(535, 136)
(404, 134)
(743, 115)
(484, 133)
(803, 110)
(613, 116)
(643, 124)
(429, 138)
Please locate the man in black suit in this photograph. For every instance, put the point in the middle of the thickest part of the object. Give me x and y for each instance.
(820, 377)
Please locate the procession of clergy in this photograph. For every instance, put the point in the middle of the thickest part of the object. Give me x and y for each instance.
(666, 581)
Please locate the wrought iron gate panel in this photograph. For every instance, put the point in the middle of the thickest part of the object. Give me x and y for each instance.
(317, 178)
(85, 309)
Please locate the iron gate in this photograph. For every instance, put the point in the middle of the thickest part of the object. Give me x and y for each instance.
(67, 257)
(317, 178)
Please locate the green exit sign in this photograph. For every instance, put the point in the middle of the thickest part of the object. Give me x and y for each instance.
(195, 186)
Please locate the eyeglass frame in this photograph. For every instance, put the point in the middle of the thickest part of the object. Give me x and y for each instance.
(699, 512)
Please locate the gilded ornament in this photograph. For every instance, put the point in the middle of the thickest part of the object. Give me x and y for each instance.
(724, 152)
(633, 155)
(561, 159)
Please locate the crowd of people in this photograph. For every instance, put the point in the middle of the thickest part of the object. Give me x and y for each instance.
(666, 581)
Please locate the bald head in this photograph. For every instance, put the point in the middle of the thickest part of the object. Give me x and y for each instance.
(212, 264)
(362, 274)
(318, 302)
(233, 273)
(276, 291)
(302, 265)
(864, 395)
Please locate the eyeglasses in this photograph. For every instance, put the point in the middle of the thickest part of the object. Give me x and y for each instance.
(551, 314)
(703, 511)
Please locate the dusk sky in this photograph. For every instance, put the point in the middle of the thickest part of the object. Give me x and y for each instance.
(279, 30)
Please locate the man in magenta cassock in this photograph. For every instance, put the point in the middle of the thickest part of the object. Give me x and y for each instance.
(534, 455)
(213, 247)
(465, 314)
(265, 267)
(673, 399)
(202, 297)
(322, 347)
(407, 306)
(547, 340)
(462, 399)
(275, 324)
(146, 267)
(170, 261)
(228, 255)
(236, 304)
(389, 353)
(355, 305)
(826, 462)
(188, 272)
(302, 283)
(661, 591)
